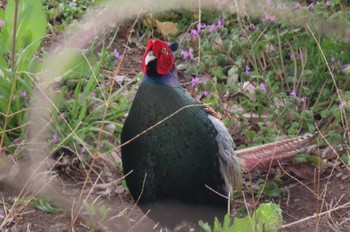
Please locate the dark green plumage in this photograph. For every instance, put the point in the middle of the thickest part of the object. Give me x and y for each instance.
(179, 155)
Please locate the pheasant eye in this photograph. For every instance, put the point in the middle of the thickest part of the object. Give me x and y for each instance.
(163, 50)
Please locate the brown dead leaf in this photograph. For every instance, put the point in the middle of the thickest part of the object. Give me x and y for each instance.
(166, 28)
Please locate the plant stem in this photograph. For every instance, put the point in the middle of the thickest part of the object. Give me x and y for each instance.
(14, 37)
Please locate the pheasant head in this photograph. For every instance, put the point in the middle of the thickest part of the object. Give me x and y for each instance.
(158, 58)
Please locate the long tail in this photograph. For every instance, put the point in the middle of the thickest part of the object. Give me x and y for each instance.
(262, 156)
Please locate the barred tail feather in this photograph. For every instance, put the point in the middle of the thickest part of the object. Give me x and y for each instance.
(262, 156)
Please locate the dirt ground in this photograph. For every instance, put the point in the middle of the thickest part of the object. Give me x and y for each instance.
(299, 204)
(302, 200)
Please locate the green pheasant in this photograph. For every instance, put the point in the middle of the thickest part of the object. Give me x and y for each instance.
(176, 149)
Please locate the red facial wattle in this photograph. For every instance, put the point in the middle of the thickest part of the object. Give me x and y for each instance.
(161, 50)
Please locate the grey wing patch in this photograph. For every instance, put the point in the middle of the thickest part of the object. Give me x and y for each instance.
(230, 164)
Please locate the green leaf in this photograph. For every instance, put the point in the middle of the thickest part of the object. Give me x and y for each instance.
(205, 226)
(45, 205)
(217, 71)
(268, 217)
(31, 28)
(345, 159)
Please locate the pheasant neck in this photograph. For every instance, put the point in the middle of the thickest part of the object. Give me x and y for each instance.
(169, 79)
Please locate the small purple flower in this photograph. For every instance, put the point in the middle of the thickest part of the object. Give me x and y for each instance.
(22, 93)
(184, 54)
(195, 34)
(333, 60)
(291, 56)
(311, 6)
(54, 138)
(297, 5)
(206, 94)
(201, 26)
(187, 54)
(196, 80)
(83, 149)
(300, 55)
(103, 86)
(327, 3)
(268, 18)
(344, 68)
(117, 56)
(190, 52)
(268, 2)
(263, 87)
(253, 27)
(2, 22)
(342, 103)
(220, 22)
(212, 27)
(92, 94)
(247, 69)
(303, 99)
(293, 93)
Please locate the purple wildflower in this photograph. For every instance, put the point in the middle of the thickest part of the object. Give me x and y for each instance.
(291, 56)
(311, 6)
(263, 87)
(297, 5)
(92, 94)
(83, 149)
(303, 99)
(22, 93)
(268, 2)
(184, 54)
(103, 86)
(206, 94)
(333, 60)
(300, 55)
(190, 52)
(117, 56)
(187, 54)
(293, 93)
(196, 80)
(212, 27)
(2, 22)
(342, 103)
(268, 18)
(327, 3)
(201, 26)
(253, 27)
(195, 34)
(344, 68)
(54, 138)
(247, 69)
(220, 22)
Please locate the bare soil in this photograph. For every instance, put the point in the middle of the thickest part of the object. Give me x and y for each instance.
(299, 204)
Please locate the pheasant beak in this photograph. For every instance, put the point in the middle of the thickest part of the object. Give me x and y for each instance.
(149, 57)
